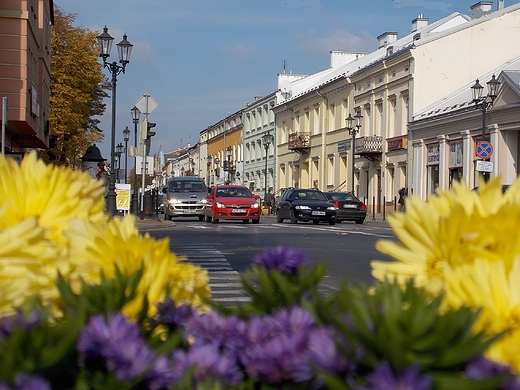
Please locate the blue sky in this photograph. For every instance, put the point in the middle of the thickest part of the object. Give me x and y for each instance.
(203, 59)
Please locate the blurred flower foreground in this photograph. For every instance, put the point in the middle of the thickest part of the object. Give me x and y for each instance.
(86, 302)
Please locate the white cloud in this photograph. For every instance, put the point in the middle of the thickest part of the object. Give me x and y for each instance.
(338, 40)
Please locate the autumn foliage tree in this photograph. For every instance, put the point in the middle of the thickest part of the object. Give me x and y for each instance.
(78, 87)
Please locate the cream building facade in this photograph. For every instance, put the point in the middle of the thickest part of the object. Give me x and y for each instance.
(387, 87)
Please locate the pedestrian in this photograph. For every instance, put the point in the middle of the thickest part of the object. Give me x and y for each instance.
(103, 175)
(269, 201)
(403, 193)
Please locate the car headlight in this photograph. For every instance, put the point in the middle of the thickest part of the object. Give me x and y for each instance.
(220, 205)
(331, 208)
(255, 205)
(301, 207)
(204, 201)
(173, 201)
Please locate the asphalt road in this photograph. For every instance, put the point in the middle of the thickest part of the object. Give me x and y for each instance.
(228, 248)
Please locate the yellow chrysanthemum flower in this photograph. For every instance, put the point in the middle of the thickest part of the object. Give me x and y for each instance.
(488, 286)
(455, 228)
(95, 247)
(52, 220)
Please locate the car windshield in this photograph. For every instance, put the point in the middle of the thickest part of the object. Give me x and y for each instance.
(233, 193)
(341, 196)
(309, 195)
(187, 186)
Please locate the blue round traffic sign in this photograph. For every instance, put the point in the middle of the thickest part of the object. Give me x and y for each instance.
(484, 149)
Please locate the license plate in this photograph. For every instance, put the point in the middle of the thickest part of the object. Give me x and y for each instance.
(189, 211)
(238, 211)
(349, 206)
(318, 213)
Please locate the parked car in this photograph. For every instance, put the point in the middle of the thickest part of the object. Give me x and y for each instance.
(349, 208)
(305, 205)
(184, 196)
(232, 202)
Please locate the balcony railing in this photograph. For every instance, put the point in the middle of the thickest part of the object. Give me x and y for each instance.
(300, 142)
(369, 147)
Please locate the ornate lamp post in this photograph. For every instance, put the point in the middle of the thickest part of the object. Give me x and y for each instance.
(126, 135)
(483, 103)
(135, 196)
(267, 140)
(119, 151)
(353, 130)
(124, 49)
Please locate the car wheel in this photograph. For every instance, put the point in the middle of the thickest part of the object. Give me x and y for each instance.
(214, 220)
(293, 217)
(278, 219)
(245, 221)
(360, 221)
(315, 222)
(332, 222)
(338, 220)
(255, 221)
(201, 218)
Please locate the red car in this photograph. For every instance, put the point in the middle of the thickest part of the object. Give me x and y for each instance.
(232, 202)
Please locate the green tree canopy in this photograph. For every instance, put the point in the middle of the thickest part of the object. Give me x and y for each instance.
(78, 87)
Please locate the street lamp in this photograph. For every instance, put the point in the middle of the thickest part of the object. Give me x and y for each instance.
(353, 130)
(229, 157)
(135, 118)
(119, 151)
(483, 103)
(124, 49)
(126, 135)
(267, 140)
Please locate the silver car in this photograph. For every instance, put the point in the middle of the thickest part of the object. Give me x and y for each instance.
(185, 196)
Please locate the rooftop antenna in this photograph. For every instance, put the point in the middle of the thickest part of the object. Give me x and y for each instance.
(284, 65)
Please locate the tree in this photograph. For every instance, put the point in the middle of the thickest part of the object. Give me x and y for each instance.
(78, 87)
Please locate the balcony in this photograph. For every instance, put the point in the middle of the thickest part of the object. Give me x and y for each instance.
(300, 142)
(369, 147)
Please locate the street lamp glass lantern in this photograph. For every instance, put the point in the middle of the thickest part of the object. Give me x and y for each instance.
(477, 90)
(124, 49)
(350, 122)
(105, 41)
(358, 117)
(135, 114)
(126, 133)
(493, 85)
(267, 140)
(119, 149)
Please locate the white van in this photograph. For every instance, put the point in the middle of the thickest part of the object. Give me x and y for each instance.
(185, 196)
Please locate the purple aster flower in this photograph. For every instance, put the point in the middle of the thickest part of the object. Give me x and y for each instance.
(292, 320)
(410, 379)
(483, 368)
(283, 358)
(325, 355)
(162, 374)
(19, 320)
(27, 382)
(115, 345)
(226, 333)
(168, 313)
(285, 260)
(207, 363)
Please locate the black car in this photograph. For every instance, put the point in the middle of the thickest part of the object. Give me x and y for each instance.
(349, 208)
(305, 205)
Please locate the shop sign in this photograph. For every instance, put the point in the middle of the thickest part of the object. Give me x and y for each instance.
(399, 143)
(344, 146)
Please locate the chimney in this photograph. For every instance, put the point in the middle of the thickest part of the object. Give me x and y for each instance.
(419, 22)
(386, 39)
(481, 8)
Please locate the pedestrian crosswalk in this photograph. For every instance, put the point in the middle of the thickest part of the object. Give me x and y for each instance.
(224, 281)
